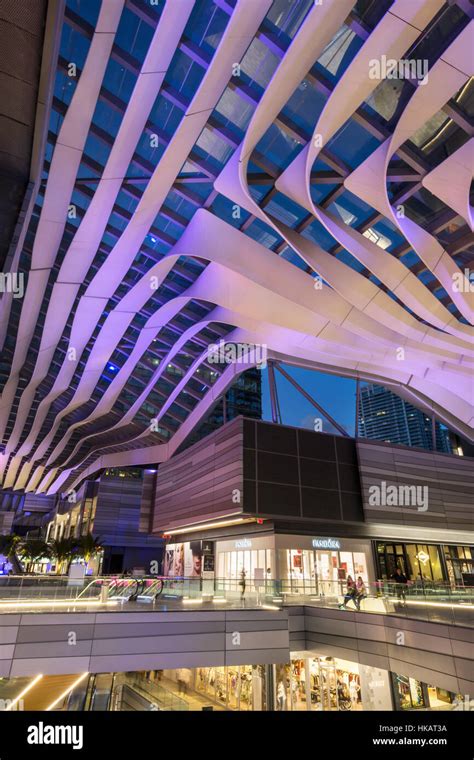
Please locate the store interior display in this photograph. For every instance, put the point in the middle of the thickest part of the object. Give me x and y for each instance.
(318, 683)
(410, 692)
(426, 564)
(321, 572)
(230, 686)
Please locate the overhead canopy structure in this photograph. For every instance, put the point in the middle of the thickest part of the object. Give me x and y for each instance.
(238, 170)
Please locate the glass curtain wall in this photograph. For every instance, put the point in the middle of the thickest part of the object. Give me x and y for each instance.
(327, 683)
(307, 571)
(257, 563)
(426, 563)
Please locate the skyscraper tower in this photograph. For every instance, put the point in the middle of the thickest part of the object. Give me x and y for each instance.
(384, 416)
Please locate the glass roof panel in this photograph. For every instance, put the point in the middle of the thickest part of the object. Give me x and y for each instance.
(352, 143)
(259, 63)
(288, 15)
(206, 25)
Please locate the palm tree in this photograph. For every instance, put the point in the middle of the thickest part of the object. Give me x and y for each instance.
(88, 546)
(63, 549)
(33, 549)
(8, 547)
(9, 544)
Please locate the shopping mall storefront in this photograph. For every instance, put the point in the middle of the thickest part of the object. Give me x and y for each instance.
(306, 683)
(309, 682)
(302, 564)
(410, 694)
(426, 563)
(329, 683)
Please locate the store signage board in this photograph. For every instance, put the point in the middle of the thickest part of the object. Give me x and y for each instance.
(423, 557)
(243, 543)
(326, 543)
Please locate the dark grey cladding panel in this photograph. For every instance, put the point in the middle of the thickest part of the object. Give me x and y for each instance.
(349, 478)
(301, 473)
(277, 499)
(316, 445)
(320, 503)
(277, 439)
(280, 472)
(346, 450)
(352, 510)
(318, 473)
(250, 496)
(249, 434)
(277, 468)
(250, 463)
(446, 481)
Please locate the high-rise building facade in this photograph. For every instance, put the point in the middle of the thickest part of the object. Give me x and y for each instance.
(244, 398)
(384, 416)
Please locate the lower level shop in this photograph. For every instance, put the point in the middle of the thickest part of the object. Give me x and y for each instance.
(308, 682)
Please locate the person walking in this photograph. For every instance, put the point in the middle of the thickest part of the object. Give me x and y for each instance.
(181, 681)
(401, 582)
(242, 583)
(350, 593)
(361, 592)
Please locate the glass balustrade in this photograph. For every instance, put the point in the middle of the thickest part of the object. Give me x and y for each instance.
(436, 602)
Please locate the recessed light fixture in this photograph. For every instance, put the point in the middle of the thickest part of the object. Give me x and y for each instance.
(204, 526)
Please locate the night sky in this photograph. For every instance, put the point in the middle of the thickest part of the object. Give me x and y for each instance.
(335, 394)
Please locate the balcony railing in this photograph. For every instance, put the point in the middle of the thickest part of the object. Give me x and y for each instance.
(436, 602)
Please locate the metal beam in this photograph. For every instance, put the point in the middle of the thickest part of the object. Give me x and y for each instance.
(275, 406)
(357, 410)
(452, 110)
(311, 400)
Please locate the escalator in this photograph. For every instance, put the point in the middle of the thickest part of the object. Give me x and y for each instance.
(125, 589)
(99, 692)
(135, 589)
(133, 700)
(119, 589)
(149, 589)
(133, 692)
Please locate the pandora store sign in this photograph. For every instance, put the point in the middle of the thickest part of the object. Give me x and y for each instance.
(326, 543)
